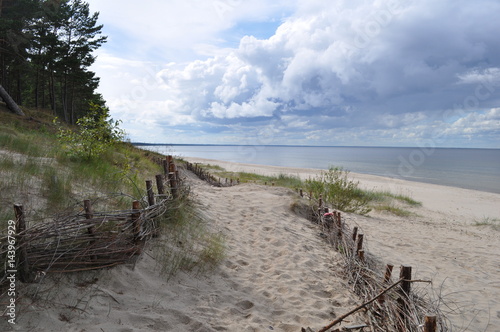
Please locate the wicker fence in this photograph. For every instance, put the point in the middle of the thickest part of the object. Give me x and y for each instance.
(88, 239)
(391, 304)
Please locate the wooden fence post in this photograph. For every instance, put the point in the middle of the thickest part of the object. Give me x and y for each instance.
(430, 324)
(387, 278)
(89, 214)
(172, 179)
(338, 221)
(23, 265)
(388, 273)
(159, 184)
(360, 242)
(151, 195)
(404, 291)
(136, 220)
(170, 160)
(361, 255)
(405, 274)
(165, 166)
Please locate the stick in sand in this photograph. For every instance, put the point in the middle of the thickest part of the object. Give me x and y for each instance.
(341, 318)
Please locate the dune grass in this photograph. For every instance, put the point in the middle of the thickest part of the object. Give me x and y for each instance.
(282, 180)
(344, 193)
(493, 223)
(36, 172)
(187, 243)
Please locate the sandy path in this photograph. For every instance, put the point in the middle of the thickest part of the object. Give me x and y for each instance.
(280, 269)
(442, 242)
(279, 275)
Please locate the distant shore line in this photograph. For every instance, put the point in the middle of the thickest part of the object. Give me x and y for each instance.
(310, 146)
(471, 185)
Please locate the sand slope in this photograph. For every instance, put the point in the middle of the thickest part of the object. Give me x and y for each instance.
(442, 242)
(279, 275)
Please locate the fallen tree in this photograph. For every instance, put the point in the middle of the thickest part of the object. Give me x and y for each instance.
(11, 104)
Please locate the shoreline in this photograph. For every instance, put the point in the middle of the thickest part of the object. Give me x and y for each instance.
(463, 204)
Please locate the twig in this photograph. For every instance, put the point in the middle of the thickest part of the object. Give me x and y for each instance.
(344, 316)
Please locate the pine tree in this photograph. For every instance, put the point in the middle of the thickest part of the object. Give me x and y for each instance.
(46, 50)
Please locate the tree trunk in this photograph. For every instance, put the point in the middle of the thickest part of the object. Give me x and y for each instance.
(11, 104)
(52, 93)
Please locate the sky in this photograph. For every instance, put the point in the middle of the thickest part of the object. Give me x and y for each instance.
(303, 72)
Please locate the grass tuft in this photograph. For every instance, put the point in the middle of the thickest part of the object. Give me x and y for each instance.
(187, 243)
(494, 223)
(390, 208)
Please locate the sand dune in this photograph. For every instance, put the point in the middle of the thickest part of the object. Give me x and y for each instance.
(443, 242)
(279, 274)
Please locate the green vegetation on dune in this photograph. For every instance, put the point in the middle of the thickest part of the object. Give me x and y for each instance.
(334, 186)
(188, 242)
(282, 180)
(493, 223)
(39, 169)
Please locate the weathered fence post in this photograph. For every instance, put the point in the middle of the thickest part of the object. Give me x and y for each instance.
(388, 273)
(151, 202)
(165, 166)
(136, 220)
(430, 324)
(89, 214)
(172, 179)
(361, 255)
(354, 233)
(170, 160)
(301, 193)
(159, 184)
(404, 292)
(387, 278)
(360, 243)
(338, 221)
(23, 266)
(151, 195)
(405, 274)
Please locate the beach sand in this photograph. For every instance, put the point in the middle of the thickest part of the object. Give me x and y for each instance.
(280, 275)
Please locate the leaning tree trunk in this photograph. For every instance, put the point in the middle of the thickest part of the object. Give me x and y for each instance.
(11, 104)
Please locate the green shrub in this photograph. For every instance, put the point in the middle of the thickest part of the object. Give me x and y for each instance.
(339, 191)
(95, 134)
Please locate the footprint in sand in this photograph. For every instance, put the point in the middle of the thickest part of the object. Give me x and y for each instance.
(242, 262)
(245, 305)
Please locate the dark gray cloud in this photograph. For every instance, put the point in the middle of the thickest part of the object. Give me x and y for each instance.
(360, 72)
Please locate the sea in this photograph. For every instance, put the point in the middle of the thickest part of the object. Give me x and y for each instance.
(477, 169)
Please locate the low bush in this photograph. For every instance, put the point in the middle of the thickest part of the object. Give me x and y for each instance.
(338, 190)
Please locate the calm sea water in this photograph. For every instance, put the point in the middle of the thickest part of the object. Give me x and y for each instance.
(477, 169)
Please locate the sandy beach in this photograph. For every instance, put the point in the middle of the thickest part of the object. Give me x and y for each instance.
(280, 275)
